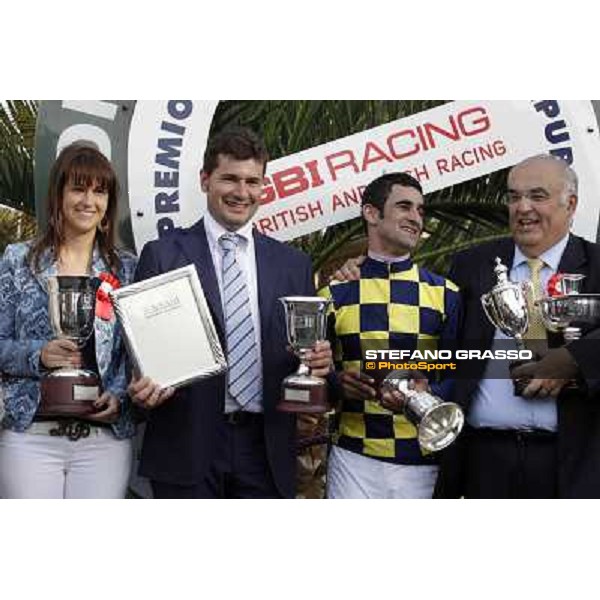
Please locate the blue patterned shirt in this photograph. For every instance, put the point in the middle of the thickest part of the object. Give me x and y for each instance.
(25, 329)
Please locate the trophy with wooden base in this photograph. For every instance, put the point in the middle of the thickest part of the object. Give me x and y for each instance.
(306, 323)
(68, 391)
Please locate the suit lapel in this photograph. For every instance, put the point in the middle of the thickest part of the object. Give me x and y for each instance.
(195, 247)
(267, 284)
(574, 258)
(48, 268)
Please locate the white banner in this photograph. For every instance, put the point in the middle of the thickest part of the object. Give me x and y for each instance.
(453, 143)
(166, 146)
(158, 151)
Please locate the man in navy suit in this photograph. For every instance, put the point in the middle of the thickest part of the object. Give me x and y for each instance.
(223, 437)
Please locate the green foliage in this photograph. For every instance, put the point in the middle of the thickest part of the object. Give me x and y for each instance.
(17, 136)
(457, 216)
(15, 226)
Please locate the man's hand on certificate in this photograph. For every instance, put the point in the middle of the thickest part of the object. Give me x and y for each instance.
(148, 394)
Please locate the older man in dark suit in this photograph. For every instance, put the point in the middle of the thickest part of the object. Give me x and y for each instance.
(545, 443)
(223, 437)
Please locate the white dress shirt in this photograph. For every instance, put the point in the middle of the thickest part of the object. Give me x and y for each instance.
(246, 258)
(494, 403)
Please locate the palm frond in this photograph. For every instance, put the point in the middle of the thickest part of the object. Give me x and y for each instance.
(457, 216)
(17, 137)
(15, 226)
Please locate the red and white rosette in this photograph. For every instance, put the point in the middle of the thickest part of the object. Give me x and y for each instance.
(555, 285)
(104, 308)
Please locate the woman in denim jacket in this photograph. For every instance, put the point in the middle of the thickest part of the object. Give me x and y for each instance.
(43, 457)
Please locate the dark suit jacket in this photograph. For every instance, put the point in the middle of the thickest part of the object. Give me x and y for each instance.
(578, 413)
(180, 437)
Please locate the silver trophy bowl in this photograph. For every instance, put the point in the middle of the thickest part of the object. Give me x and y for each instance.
(438, 423)
(71, 306)
(505, 305)
(559, 313)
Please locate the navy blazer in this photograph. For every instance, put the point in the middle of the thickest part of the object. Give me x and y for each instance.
(180, 438)
(578, 412)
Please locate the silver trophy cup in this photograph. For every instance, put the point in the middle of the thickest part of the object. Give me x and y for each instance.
(505, 305)
(438, 423)
(69, 391)
(306, 324)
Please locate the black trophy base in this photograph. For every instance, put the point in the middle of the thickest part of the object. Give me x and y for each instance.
(298, 398)
(69, 396)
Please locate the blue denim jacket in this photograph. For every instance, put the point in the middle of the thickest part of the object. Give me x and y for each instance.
(25, 329)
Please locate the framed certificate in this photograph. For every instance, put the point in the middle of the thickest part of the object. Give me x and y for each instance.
(168, 328)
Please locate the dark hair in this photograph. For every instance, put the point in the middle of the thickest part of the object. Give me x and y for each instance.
(377, 192)
(238, 142)
(83, 165)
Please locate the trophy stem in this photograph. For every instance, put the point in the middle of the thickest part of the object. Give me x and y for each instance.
(520, 342)
(71, 372)
(303, 369)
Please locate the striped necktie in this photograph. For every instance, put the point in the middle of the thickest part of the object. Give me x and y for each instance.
(244, 378)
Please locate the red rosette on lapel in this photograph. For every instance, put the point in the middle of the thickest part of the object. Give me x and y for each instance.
(104, 308)
(555, 287)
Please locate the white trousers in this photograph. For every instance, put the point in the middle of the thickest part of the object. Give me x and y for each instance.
(36, 465)
(352, 475)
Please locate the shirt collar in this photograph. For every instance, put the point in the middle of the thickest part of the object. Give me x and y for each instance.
(396, 264)
(551, 257)
(214, 230)
(387, 259)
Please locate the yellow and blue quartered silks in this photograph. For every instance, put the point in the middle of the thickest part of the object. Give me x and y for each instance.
(391, 306)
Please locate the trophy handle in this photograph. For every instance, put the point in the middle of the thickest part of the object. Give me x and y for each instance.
(488, 308)
(520, 342)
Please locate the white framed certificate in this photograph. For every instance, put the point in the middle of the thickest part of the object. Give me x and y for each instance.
(168, 328)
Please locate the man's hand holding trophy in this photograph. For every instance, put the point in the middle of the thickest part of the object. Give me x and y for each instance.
(438, 423)
(563, 309)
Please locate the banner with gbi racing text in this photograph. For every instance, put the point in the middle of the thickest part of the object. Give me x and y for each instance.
(450, 144)
(157, 149)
